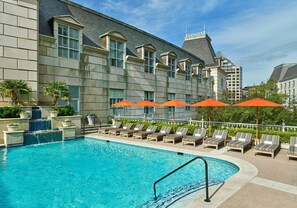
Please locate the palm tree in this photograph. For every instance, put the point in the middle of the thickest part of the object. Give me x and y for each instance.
(57, 90)
(14, 89)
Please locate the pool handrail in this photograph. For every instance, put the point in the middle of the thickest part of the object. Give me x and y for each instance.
(180, 167)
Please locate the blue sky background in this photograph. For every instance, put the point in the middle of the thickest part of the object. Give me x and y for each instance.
(255, 34)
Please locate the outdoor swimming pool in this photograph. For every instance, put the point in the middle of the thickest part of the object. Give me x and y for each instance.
(95, 173)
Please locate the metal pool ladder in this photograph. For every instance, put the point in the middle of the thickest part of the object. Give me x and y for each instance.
(206, 176)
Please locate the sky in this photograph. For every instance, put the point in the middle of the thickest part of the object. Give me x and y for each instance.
(254, 34)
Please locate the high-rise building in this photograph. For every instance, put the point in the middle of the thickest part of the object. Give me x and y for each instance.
(233, 77)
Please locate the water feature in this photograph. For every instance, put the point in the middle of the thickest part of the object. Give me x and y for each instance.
(40, 129)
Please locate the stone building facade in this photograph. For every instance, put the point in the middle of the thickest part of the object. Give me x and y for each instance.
(103, 60)
(286, 77)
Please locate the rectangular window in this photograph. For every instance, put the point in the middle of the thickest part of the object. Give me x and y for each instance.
(151, 97)
(188, 100)
(149, 61)
(199, 75)
(115, 96)
(74, 101)
(171, 64)
(199, 98)
(116, 53)
(171, 110)
(68, 42)
(188, 71)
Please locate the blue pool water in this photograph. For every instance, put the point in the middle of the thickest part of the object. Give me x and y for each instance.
(94, 173)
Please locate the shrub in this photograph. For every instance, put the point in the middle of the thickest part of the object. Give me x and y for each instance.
(10, 112)
(64, 110)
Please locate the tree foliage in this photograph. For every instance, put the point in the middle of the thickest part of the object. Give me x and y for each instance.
(57, 90)
(13, 89)
(267, 115)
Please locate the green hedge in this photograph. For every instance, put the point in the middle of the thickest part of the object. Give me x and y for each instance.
(10, 112)
(64, 110)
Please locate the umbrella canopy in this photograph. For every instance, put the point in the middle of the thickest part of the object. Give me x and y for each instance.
(146, 103)
(209, 103)
(123, 103)
(257, 102)
(174, 103)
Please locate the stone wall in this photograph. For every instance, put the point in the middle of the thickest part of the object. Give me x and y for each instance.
(18, 42)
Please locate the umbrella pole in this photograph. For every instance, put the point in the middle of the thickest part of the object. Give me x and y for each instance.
(209, 125)
(257, 123)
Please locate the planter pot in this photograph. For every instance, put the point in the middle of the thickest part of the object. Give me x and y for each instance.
(91, 120)
(13, 128)
(25, 115)
(66, 123)
(53, 113)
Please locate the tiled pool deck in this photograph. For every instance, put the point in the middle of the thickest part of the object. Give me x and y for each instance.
(261, 182)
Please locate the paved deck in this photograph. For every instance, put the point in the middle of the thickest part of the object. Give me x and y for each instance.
(262, 181)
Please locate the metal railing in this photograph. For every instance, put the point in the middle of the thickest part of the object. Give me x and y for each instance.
(206, 177)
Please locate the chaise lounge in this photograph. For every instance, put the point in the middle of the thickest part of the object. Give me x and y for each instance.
(143, 134)
(129, 133)
(242, 141)
(219, 137)
(177, 137)
(116, 132)
(198, 136)
(106, 129)
(159, 136)
(269, 145)
(292, 151)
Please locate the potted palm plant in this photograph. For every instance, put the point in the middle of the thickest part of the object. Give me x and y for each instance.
(14, 89)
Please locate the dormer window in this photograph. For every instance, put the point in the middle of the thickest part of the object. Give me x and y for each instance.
(115, 42)
(68, 32)
(149, 61)
(116, 53)
(169, 58)
(68, 42)
(172, 67)
(147, 52)
(200, 75)
(188, 71)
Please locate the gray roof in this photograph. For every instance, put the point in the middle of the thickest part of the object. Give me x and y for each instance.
(291, 73)
(96, 24)
(282, 71)
(200, 45)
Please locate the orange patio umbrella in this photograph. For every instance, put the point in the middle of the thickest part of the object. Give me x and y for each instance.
(123, 103)
(174, 103)
(146, 103)
(257, 102)
(209, 103)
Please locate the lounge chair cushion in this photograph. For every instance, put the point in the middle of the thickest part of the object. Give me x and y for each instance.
(163, 131)
(295, 145)
(148, 130)
(218, 136)
(198, 135)
(267, 142)
(241, 139)
(135, 128)
(124, 127)
(179, 133)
